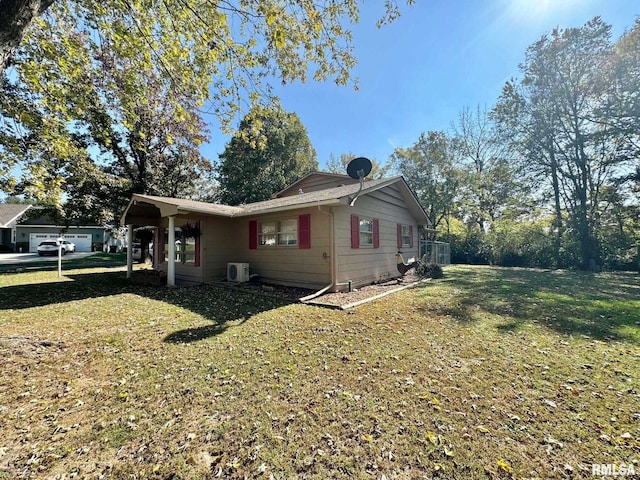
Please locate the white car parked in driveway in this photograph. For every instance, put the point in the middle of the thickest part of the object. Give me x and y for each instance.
(50, 247)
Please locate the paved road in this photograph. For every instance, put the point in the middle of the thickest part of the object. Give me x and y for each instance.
(26, 258)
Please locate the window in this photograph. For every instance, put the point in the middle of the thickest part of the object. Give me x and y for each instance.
(282, 232)
(187, 248)
(405, 236)
(268, 233)
(286, 232)
(365, 232)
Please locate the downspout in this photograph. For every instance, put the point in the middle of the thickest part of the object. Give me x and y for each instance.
(332, 255)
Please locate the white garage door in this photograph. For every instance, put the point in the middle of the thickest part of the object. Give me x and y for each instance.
(82, 240)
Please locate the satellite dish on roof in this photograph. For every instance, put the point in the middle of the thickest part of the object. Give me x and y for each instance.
(359, 168)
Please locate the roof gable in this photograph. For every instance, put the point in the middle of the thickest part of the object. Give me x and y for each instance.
(10, 213)
(315, 181)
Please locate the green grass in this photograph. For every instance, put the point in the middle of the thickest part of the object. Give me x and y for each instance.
(487, 373)
(72, 261)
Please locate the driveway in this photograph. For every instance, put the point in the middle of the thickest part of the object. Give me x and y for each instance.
(26, 258)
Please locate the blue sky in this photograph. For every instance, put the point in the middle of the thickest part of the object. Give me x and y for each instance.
(418, 73)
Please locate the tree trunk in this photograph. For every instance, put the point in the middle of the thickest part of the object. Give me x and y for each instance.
(16, 17)
(558, 210)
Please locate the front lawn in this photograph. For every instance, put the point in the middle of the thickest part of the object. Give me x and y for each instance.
(487, 373)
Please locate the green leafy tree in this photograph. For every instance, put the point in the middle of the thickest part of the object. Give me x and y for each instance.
(189, 53)
(270, 150)
(430, 169)
(557, 114)
(339, 165)
(623, 108)
(84, 136)
(194, 41)
(522, 242)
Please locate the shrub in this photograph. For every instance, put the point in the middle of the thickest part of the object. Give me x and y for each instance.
(430, 270)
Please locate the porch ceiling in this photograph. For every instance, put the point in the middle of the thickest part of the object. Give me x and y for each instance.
(142, 214)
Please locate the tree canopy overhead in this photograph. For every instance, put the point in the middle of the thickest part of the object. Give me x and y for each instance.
(229, 43)
(111, 93)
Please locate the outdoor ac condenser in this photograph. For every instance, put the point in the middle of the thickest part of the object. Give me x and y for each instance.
(237, 272)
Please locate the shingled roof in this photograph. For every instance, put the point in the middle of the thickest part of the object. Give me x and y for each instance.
(10, 213)
(342, 195)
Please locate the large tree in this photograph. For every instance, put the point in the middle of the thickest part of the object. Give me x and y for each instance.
(98, 129)
(430, 169)
(623, 108)
(270, 150)
(490, 173)
(557, 114)
(187, 54)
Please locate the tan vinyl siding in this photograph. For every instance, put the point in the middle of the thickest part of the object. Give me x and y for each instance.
(366, 264)
(288, 265)
(219, 246)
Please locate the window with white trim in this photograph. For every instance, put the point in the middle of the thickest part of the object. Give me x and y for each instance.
(366, 232)
(281, 232)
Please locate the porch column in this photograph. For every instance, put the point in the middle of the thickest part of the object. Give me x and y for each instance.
(156, 248)
(171, 267)
(129, 250)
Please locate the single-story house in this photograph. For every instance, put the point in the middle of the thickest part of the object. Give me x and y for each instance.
(31, 231)
(10, 215)
(323, 231)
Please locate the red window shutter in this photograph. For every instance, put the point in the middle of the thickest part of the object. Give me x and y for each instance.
(253, 234)
(355, 231)
(411, 236)
(196, 260)
(304, 231)
(376, 233)
(399, 236)
(160, 246)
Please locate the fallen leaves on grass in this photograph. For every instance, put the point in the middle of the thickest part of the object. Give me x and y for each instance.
(442, 382)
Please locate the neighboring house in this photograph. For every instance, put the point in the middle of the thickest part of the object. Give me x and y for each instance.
(10, 214)
(30, 232)
(323, 231)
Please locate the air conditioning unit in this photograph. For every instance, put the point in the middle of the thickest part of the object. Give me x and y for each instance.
(237, 272)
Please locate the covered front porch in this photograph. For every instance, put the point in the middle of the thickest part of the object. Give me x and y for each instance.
(176, 226)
